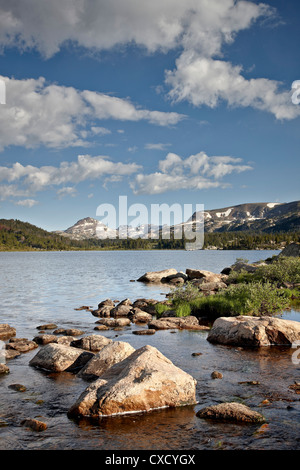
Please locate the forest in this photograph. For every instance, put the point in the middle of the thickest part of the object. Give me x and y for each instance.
(16, 235)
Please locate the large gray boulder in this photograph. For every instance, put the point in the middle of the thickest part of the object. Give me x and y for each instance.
(254, 331)
(111, 354)
(58, 358)
(156, 276)
(144, 381)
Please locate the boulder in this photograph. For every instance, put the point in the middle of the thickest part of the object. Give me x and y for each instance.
(68, 332)
(103, 311)
(120, 311)
(4, 369)
(92, 343)
(178, 278)
(205, 276)
(254, 331)
(156, 276)
(293, 249)
(139, 316)
(45, 339)
(47, 326)
(249, 268)
(111, 354)
(207, 287)
(165, 323)
(21, 345)
(126, 302)
(144, 381)
(58, 358)
(231, 412)
(66, 340)
(114, 322)
(106, 303)
(6, 331)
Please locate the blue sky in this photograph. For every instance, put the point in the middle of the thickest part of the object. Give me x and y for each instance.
(163, 101)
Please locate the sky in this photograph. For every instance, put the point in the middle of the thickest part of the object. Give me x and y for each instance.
(164, 102)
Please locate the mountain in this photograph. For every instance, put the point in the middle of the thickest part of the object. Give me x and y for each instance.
(259, 217)
(264, 217)
(88, 228)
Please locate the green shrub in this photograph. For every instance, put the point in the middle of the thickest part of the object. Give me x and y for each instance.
(161, 308)
(282, 269)
(183, 310)
(256, 298)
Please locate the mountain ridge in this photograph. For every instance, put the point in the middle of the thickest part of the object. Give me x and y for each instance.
(265, 217)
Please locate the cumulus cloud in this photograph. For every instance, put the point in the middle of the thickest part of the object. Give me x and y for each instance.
(197, 171)
(198, 29)
(37, 113)
(26, 180)
(206, 81)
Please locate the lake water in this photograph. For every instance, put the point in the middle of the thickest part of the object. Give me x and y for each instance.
(44, 287)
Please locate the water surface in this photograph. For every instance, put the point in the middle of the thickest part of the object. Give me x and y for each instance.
(38, 288)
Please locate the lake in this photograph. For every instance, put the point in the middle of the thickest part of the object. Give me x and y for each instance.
(44, 287)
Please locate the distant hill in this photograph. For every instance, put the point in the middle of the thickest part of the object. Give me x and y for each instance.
(18, 235)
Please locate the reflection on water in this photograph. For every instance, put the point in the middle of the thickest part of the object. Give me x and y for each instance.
(46, 287)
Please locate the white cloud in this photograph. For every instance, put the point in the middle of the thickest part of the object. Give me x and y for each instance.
(27, 202)
(198, 28)
(37, 113)
(158, 146)
(66, 191)
(26, 180)
(198, 171)
(154, 25)
(206, 81)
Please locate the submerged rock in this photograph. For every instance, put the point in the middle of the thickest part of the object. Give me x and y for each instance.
(231, 412)
(144, 332)
(58, 358)
(254, 331)
(111, 354)
(143, 381)
(34, 424)
(47, 326)
(18, 387)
